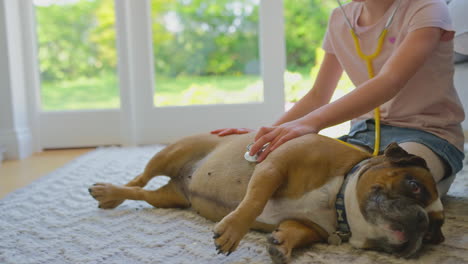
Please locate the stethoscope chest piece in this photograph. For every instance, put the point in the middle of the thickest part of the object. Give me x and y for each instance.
(254, 157)
(249, 158)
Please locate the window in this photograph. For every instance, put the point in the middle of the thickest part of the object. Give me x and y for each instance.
(77, 54)
(206, 52)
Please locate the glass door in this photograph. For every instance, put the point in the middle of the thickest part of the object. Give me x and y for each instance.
(79, 99)
(143, 72)
(214, 64)
(206, 52)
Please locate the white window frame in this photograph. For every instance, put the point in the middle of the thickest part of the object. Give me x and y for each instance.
(137, 121)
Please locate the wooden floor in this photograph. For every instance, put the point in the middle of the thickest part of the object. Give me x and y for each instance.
(15, 174)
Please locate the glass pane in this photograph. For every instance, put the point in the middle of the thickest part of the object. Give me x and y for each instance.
(305, 25)
(206, 52)
(77, 54)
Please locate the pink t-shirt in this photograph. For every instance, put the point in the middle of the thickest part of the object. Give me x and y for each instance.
(429, 100)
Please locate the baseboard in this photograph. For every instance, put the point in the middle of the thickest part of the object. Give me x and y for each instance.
(18, 143)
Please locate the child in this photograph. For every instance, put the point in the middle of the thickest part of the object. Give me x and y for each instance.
(413, 85)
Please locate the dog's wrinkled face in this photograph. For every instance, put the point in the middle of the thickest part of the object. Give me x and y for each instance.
(398, 198)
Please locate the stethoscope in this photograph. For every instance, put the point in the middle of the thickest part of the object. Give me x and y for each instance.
(370, 70)
(254, 157)
(368, 60)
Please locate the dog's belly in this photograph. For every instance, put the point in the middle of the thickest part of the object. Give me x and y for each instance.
(317, 206)
(220, 180)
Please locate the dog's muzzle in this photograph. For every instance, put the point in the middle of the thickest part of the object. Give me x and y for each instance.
(404, 221)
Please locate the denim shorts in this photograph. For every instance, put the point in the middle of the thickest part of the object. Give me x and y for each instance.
(363, 133)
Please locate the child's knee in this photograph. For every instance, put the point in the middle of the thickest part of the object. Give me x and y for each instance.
(435, 164)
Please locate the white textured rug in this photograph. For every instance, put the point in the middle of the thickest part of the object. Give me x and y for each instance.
(54, 220)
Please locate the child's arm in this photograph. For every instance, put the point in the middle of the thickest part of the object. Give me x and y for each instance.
(396, 72)
(320, 94)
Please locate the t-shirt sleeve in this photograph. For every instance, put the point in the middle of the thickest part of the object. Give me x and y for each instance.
(327, 45)
(430, 13)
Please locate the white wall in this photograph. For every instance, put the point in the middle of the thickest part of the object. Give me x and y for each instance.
(461, 84)
(14, 129)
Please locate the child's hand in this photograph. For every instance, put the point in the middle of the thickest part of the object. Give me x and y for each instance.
(229, 131)
(278, 135)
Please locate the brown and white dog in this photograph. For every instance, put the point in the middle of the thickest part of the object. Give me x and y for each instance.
(391, 200)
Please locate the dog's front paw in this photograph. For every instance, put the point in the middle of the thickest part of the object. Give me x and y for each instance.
(228, 233)
(105, 194)
(280, 252)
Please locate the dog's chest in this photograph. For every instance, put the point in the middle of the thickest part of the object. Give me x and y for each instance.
(317, 206)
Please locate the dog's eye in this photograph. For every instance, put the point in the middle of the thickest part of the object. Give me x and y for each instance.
(414, 187)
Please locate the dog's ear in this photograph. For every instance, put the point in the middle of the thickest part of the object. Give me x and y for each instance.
(393, 150)
(398, 156)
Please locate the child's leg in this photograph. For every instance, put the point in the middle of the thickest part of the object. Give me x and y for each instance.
(434, 162)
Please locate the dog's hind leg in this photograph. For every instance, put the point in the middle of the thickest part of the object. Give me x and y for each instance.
(175, 161)
(292, 234)
(155, 167)
(167, 196)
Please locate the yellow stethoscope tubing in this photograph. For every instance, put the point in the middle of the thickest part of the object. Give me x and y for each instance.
(370, 70)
